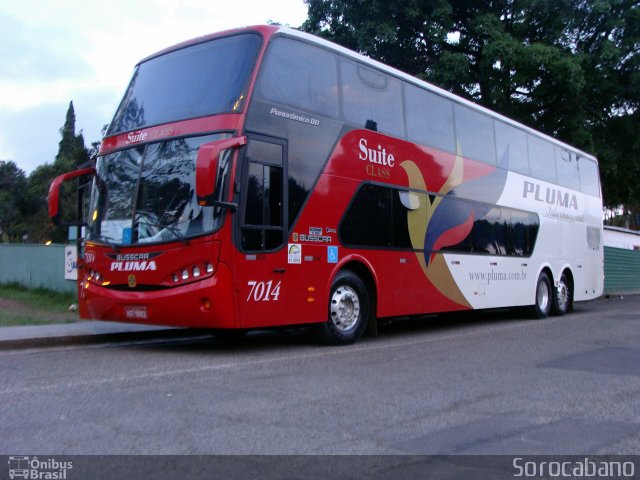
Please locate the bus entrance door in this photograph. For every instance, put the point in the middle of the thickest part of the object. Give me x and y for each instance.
(263, 227)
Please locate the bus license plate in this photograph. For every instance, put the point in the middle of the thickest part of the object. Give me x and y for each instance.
(136, 312)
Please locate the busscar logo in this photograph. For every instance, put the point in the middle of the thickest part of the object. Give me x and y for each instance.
(133, 262)
(38, 469)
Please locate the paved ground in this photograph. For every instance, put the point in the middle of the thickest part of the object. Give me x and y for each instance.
(470, 384)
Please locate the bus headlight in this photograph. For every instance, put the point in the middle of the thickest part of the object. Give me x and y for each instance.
(189, 273)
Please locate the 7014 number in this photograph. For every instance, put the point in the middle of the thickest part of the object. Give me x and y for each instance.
(263, 291)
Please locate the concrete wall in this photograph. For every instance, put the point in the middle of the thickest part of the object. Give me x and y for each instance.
(35, 266)
(621, 238)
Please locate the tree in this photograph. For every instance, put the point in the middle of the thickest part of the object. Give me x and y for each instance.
(13, 183)
(71, 154)
(39, 226)
(71, 150)
(570, 68)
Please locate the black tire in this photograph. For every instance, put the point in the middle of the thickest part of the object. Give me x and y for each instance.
(348, 312)
(544, 297)
(229, 335)
(563, 295)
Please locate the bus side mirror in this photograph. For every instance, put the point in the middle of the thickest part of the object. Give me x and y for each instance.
(207, 168)
(54, 191)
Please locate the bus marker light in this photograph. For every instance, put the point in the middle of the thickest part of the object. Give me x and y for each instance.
(206, 304)
(311, 289)
(310, 299)
(209, 268)
(196, 271)
(185, 274)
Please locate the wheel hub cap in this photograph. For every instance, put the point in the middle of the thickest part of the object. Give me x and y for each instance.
(543, 296)
(563, 296)
(345, 308)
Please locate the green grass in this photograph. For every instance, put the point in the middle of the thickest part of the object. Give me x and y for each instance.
(25, 306)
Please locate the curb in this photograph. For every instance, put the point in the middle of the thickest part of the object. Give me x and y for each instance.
(86, 333)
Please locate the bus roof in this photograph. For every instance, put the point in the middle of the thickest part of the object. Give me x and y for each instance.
(269, 30)
(265, 30)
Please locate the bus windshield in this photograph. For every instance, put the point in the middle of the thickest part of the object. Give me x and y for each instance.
(146, 194)
(204, 79)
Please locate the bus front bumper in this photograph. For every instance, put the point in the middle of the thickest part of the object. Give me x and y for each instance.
(208, 303)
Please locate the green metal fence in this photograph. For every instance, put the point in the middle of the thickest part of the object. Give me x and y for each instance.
(35, 266)
(621, 270)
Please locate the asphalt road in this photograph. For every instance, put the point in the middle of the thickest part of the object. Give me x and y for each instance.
(493, 382)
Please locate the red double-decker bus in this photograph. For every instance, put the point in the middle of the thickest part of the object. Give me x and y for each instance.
(264, 177)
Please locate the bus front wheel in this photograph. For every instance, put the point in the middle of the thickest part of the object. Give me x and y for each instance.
(544, 297)
(348, 311)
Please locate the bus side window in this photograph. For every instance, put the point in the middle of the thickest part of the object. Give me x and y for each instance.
(474, 131)
(429, 118)
(567, 165)
(511, 144)
(371, 98)
(302, 76)
(589, 176)
(542, 159)
(368, 220)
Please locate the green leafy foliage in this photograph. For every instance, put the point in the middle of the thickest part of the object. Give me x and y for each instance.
(570, 68)
(13, 207)
(23, 200)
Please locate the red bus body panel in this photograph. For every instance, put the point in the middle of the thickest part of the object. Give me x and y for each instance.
(264, 289)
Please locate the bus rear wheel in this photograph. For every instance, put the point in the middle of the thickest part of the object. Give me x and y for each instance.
(563, 298)
(544, 297)
(348, 311)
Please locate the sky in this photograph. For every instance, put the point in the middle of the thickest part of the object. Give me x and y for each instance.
(56, 51)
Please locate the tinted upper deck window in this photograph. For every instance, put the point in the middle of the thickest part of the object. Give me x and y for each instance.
(203, 79)
(300, 75)
(371, 99)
